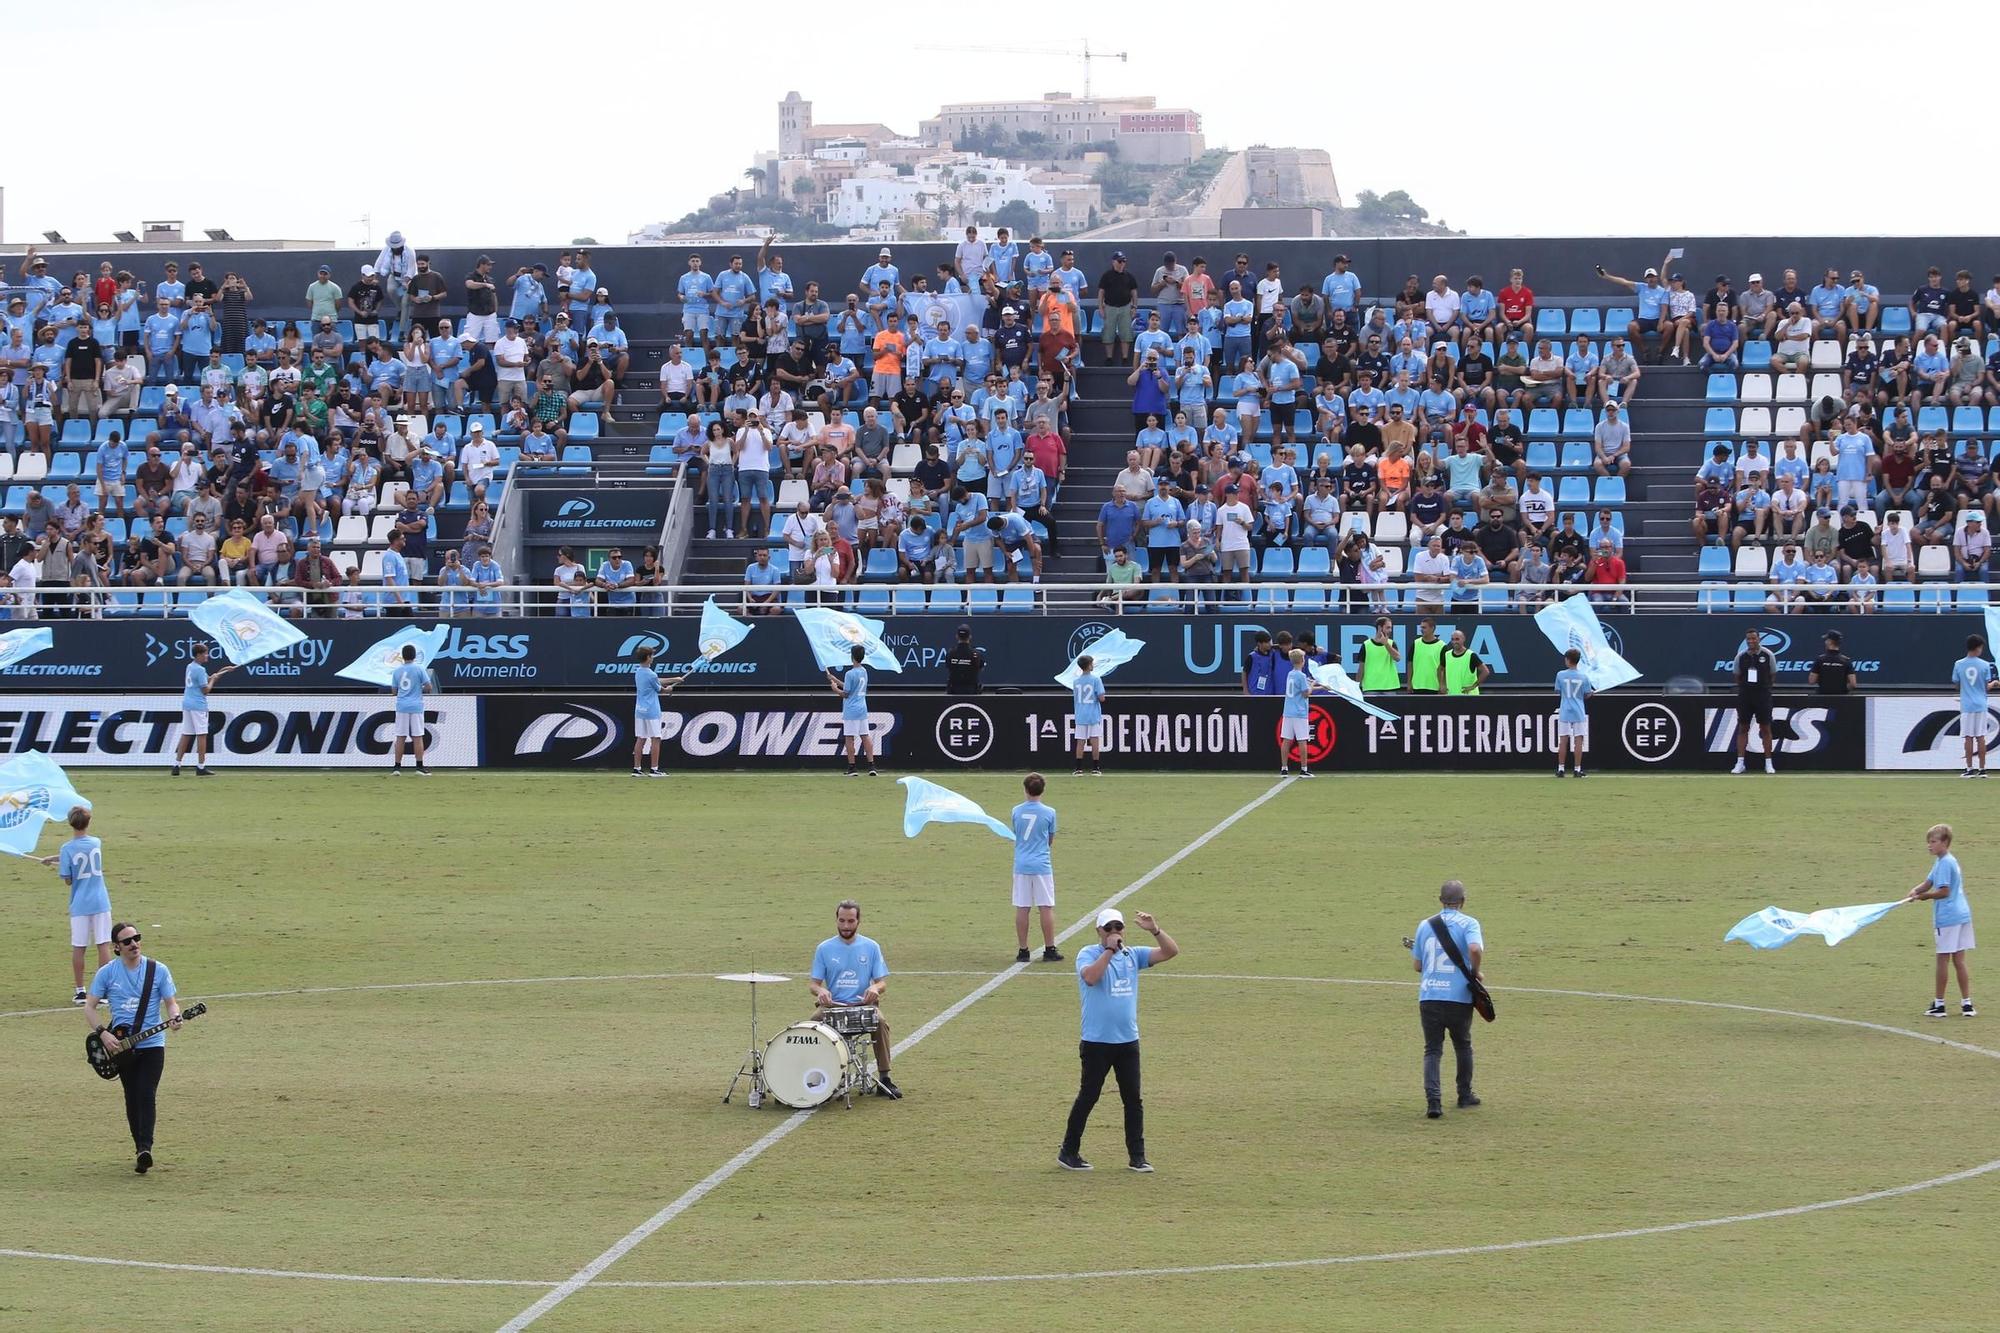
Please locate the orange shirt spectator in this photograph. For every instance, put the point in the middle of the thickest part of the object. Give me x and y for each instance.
(890, 344)
(1394, 473)
(1058, 315)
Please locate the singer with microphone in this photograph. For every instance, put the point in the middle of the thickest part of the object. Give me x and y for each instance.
(1107, 980)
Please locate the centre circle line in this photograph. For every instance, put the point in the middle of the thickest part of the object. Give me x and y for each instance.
(1188, 1270)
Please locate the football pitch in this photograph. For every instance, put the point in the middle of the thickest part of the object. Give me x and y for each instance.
(465, 1060)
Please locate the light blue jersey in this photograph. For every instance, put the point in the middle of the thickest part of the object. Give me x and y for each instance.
(81, 863)
(1034, 829)
(1572, 688)
(1111, 1007)
(646, 686)
(854, 695)
(1442, 979)
(1298, 695)
(408, 682)
(1088, 691)
(1954, 910)
(1974, 676)
(194, 690)
(120, 986)
(847, 967)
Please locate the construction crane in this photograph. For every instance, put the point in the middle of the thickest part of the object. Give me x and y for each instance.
(1085, 54)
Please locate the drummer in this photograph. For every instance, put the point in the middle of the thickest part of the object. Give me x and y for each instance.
(848, 971)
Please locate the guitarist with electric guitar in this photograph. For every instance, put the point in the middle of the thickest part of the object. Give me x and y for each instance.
(1447, 952)
(139, 994)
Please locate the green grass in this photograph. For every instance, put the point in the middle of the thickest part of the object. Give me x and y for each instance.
(518, 1131)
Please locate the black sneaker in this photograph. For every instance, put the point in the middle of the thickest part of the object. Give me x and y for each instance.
(1141, 1165)
(79, 997)
(1580, 773)
(886, 1087)
(1070, 1161)
(1051, 954)
(1307, 773)
(174, 772)
(1097, 770)
(1968, 772)
(638, 773)
(423, 772)
(1965, 1008)
(851, 772)
(1562, 773)
(872, 772)
(144, 1162)
(656, 772)
(1076, 772)
(204, 773)
(1937, 1010)
(1024, 957)
(1434, 1112)
(1284, 771)
(1468, 1100)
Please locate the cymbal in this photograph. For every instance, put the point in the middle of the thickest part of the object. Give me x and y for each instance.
(753, 978)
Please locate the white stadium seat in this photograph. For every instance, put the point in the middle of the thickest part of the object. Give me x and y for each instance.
(1826, 355)
(1789, 421)
(1752, 563)
(1825, 386)
(790, 493)
(1755, 389)
(371, 567)
(1757, 422)
(1933, 562)
(380, 528)
(1392, 528)
(352, 530)
(1791, 388)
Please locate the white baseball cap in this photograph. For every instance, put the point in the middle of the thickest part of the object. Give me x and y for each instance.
(1110, 916)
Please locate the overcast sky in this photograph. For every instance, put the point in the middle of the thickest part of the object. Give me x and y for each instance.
(1613, 126)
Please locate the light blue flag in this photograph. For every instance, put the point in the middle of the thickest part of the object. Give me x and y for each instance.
(1572, 623)
(834, 633)
(720, 631)
(18, 645)
(33, 791)
(1106, 655)
(1329, 677)
(244, 626)
(927, 803)
(1993, 630)
(375, 664)
(1774, 927)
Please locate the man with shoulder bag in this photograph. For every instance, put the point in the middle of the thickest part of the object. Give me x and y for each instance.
(1447, 953)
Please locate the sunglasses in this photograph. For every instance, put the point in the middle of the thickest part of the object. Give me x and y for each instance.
(129, 939)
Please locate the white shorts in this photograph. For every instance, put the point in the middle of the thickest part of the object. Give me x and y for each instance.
(1950, 939)
(92, 929)
(194, 724)
(1572, 730)
(1972, 726)
(1295, 729)
(695, 322)
(1092, 731)
(1034, 890)
(854, 728)
(649, 728)
(409, 726)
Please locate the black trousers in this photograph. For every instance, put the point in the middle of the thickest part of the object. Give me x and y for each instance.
(1099, 1059)
(141, 1080)
(1441, 1017)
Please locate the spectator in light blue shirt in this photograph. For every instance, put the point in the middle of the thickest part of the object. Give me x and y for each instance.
(1444, 995)
(1107, 982)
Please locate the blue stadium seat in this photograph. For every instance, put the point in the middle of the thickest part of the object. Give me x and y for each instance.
(873, 601)
(1967, 420)
(1278, 563)
(141, 428)
(982, 597)
(1993, 421)
(1895, 320)
(1749, 599)
(1756, 355)
(1578, 424)
(1719, 421)
(152, 398)
(910, 601)
(1575, 456)
(1932, 417)
(67, 467)
(486, 422)
(1493, 599)
(880, 566)
(1309, 598)
(1273, 599)
(1974, 597)
(17, 500)
(583, 426)
(1573, 491)
(948, 601)
(1017, 597)
(1163, 600)
(460, 497)
(1549, 323)
(1542, 421)
(1899, 597)
(1721, 389)
(1713, 597)
(660, 461)
(1609, 491)
(1714, 560)
(1315, 562)
(1934, 598)
(1541, 456)
(106, 429)
(454, 425)
(1617, 319)
(76, 431)
(122, 602)
(1585, 321)
(670, 425)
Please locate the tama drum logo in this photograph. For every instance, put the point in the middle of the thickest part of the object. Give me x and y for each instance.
(1651, 733)
(1084, 635)
(1319, 745)
(965, 732)
(580, 732)
(577, 507)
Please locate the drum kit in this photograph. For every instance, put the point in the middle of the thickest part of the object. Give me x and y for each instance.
(808, 1063)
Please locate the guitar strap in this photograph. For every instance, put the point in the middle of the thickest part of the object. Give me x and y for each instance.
(1450, 946)
(145, 995)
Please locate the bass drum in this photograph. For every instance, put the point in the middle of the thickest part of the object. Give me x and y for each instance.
(805, 1064)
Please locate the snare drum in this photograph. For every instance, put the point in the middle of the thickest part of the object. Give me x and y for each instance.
(805, 1064)
(854, 1020)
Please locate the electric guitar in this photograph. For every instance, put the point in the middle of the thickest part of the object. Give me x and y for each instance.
(109, 1066)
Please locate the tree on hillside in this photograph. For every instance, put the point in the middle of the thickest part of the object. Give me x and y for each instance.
(1016, 215)
(1395, 206)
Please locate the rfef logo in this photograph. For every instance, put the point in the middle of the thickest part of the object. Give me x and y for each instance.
(965, 732)
(1651, 733)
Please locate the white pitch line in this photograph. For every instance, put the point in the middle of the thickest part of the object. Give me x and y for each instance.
(578, 1280)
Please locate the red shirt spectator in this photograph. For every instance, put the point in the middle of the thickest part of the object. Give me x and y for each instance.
(1607, 568)
(1516, 299)
(1047, 451)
